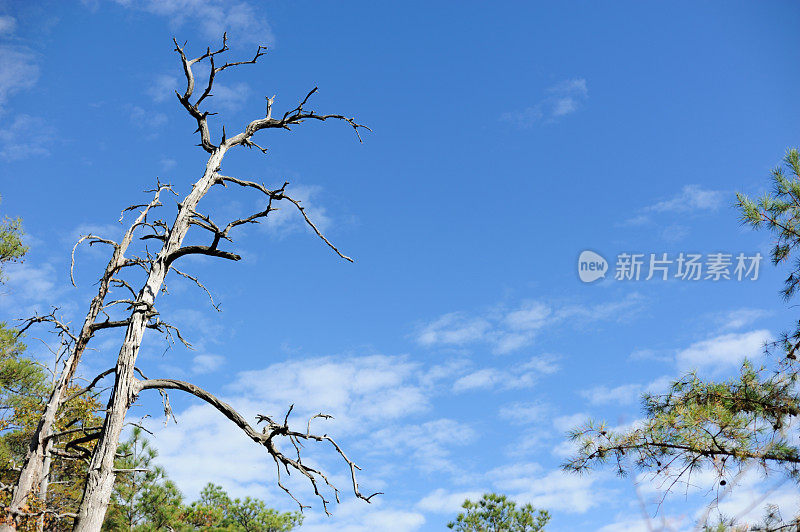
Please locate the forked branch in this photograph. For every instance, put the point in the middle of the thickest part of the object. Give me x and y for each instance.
(267, 437)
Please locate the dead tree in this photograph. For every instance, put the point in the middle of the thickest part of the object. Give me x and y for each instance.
(36, 464)
(127, 386)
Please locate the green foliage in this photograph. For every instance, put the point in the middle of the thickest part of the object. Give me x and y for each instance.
(141, 493)
(496, 513)
(23, 383)
(24, 388)
(144, 500)
(779, 212)
(216, 511)
(698, 424)
(723, 426)
(11, 246)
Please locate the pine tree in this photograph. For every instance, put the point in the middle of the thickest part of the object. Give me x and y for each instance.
(496, 513)
(142, 494)
(722, 426)
(24, 388)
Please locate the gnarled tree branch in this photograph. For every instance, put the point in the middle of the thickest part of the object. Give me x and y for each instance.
(267, 436)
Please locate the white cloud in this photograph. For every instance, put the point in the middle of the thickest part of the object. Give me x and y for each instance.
(230, 98)
(674, 233)
(163, 86)
(566, 423)
(18, 70)
(28, 285)
(481, 379)
(207, 363)
(739, 318)
(563, 99)
(372, 399)
(203, 436)
(524, 412)
(530, 316)
(523, 483)
(556, 491)
(112, 231)
(198, 327)
(243, 21)
(520, 376)
(568, 95)
(453, 329)
(723, 351)
(357, 391)
(149, 121)
(356, 516)
(624, 394)
(168, 164)
(287, 219)
(508, 330)
(692, 198)
(634, 524)
(650, 354)
(7, 25)
(25, 136)
(428, 445)
(441, 501)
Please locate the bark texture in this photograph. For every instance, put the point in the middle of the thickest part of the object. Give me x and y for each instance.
(100, 479)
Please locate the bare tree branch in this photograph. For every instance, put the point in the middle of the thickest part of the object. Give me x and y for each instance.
(277, 195)
(266, 437)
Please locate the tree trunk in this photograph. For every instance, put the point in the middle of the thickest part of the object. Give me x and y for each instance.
(100, 479)
(38, 449)
(44, 484)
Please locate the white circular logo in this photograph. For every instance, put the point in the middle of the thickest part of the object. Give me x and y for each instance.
(591, 266)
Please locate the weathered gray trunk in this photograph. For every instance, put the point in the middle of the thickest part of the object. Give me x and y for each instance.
(37, 455)
(44, 484)
(31, 473)
(100, 479)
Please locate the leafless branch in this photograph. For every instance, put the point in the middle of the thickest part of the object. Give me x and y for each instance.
(266, 437)
(199, 284)
(278, 195)
(89, 386)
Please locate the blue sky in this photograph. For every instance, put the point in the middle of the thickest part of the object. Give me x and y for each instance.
(461, 345)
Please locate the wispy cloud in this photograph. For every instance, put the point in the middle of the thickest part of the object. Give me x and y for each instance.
(723, 351)
(25, 136)
(555, 490)
(163, 86)
(150, 122)
(739, 318)
(428, 445)
(18, 70)
(243, 20)
(520, 376)
(624, 394)
(7, 25)
(207, 363)
(524, 412)
(561, 99)
(693, 199)
(510, 329)
(441, 501)
(371, 398)
(287, 219)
